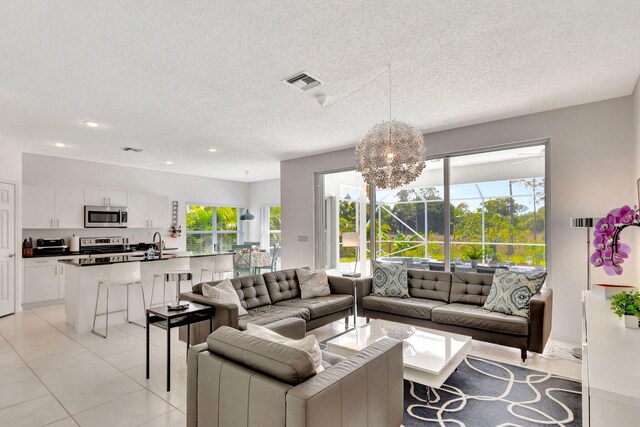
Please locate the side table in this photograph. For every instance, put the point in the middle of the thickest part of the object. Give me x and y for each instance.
(167, 319)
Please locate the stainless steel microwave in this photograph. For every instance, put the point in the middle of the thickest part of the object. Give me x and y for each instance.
(105, 217)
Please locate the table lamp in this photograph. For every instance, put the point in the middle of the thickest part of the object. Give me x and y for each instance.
(352, 240)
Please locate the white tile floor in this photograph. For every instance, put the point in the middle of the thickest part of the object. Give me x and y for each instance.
(50, 375)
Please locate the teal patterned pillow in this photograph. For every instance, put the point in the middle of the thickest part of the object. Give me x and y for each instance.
(390, 280)
(511, 292)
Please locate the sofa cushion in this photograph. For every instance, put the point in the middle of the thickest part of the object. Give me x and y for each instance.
(418, 308)
(432, 285)
(224, 292)
(471, 316)
(470, 288)
(511, 291)
(320, 306)
(271, 313)
(282, 285)
(313, 283)
(252, 290)
(279, 361)
(389, 280)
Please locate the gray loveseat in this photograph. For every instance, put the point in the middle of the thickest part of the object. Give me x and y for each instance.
(271, 297)
(235, 379)
(453, 302)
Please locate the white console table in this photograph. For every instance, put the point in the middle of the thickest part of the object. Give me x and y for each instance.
(610, 367)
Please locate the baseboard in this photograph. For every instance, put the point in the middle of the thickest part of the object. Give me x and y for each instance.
(568, 338)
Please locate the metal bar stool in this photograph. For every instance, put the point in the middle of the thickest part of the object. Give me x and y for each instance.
(223, 264)
(208, 269)
(123, 274)
(164, 290)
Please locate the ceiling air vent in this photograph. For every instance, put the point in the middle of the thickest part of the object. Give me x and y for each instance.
(135, 150)
(303, 81)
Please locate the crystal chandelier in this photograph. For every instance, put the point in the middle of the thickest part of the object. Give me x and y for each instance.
(391, 153)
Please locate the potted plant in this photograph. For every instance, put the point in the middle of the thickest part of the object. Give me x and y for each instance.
(474, 253)
(627, 304)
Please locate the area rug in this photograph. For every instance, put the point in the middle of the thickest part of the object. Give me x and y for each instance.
(483, 393)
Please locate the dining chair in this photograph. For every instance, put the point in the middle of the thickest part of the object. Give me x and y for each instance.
(241, 259)
(274, 260)
(254, 245)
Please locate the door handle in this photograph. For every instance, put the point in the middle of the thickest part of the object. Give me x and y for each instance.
(12, 255)
(57, 223)
(51, 223)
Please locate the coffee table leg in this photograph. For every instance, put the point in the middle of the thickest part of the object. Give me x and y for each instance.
(168, 355)
(188, 338)
(147, 344)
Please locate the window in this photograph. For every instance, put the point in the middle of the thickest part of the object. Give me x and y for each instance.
(210, 228)
(275, 226)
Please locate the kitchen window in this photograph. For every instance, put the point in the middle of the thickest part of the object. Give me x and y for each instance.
(212, 227)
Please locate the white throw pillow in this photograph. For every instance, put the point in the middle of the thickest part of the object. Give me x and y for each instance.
(308, 343)
(224, 292)
(313, 283)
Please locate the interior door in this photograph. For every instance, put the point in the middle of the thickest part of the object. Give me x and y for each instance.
(7, 248)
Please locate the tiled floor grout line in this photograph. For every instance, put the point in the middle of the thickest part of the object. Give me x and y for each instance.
(39, 380)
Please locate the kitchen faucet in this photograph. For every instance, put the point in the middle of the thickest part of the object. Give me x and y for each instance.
(159, 246)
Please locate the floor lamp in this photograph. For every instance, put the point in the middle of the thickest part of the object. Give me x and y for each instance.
(583, 223)
(352, 240)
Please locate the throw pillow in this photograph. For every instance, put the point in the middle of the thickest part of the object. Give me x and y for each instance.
(308, 343)
(224, 292)
(313, 283)
(390, 280)
(511, 292)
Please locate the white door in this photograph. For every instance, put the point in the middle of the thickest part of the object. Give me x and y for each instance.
(7, 248)
(69, 208)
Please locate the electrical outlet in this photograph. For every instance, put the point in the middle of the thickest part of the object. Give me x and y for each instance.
(303, 238)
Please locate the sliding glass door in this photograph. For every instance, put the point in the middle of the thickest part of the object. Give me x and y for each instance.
(470, 212)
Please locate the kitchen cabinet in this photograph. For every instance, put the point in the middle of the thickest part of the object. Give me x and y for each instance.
(148, 210)
(44, 280)
(105, 198)
(49, 207)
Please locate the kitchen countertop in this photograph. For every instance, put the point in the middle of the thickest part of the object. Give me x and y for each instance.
(81, 253)
(118, 259)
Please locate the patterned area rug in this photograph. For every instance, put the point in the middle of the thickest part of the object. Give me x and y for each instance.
(483, 393)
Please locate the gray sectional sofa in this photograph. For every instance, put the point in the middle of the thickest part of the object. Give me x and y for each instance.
(453, 302)
(271, 297)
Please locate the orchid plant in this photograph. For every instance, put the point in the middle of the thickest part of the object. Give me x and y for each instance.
(609, 252)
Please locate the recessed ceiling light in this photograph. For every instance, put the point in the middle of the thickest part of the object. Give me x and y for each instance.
(168, 162)
(91, 123)
(59, 144)
(213, 150)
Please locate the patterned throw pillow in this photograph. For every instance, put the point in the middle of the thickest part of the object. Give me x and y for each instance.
(390, 280)
(313, 283)
(511, 292)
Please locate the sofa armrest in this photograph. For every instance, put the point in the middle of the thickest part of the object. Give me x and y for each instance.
(192, 383)
(363, 288)
(540, 315)
(226, 314)
(365, 386)
(341, 285)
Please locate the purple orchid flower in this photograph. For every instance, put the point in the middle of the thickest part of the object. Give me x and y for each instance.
(600, 241)
(606, 225)
(625, 215)
(597, 259)
(613, 270)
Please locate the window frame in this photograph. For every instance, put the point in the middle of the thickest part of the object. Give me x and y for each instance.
(214, 232)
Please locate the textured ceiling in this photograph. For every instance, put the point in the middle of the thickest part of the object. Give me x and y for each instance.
(175, 78)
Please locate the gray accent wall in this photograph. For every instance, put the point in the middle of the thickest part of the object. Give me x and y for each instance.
(593, 166)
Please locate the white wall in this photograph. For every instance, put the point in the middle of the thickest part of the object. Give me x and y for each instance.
(261, 193)
(11, 171)
(636, 124)
(57, 171)
(592, 170)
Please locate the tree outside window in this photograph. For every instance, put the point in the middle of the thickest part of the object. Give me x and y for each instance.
(211, 227)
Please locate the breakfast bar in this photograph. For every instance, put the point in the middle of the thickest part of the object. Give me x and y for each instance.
(82, 285)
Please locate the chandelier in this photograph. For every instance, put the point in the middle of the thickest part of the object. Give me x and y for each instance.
(391, 153)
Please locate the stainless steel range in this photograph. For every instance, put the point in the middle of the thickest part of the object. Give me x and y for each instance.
(104, 245)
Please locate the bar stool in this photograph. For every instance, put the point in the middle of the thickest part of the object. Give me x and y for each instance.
(211, 268)
(223, 264)
(164, 289)
(122, 274)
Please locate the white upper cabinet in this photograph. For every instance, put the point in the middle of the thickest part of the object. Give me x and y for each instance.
(49, 207)
(105, 198)
(159, 211)
(69, 208)
(138, 210)
(38, 206)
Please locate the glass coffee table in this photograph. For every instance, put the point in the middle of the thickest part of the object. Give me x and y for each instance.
(430, 356)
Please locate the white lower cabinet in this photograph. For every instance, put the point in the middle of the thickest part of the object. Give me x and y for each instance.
(43, 280)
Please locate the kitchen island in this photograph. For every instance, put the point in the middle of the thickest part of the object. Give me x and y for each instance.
(82, 285)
